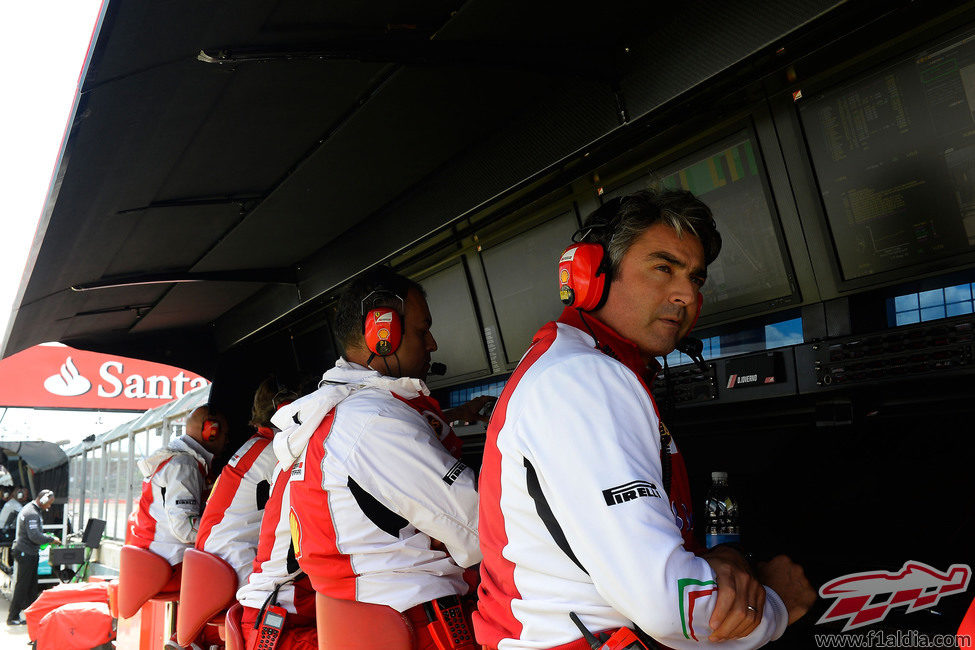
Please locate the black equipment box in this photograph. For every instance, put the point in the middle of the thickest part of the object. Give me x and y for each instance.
(66, 555)
(755, 370)
(94, 530)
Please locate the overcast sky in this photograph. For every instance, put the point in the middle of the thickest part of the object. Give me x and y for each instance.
(42, 49)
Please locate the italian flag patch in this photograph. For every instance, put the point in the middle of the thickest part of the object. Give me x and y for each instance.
(688, 591)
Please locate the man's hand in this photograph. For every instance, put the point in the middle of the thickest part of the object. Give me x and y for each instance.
(741, 596)
(788, 580)
(56, 540)
(470, 412)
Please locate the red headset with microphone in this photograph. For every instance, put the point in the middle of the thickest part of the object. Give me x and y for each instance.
(382, 326)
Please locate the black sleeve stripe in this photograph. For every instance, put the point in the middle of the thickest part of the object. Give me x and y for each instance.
(384, 518)
(263, 494)
(545, 514)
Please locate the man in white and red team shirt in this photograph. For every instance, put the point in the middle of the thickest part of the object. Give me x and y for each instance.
(231, 522)
(169, 510)
(277, 579)
(382, 511)
(578, 514)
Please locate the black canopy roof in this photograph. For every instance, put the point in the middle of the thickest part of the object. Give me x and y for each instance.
(230, 160)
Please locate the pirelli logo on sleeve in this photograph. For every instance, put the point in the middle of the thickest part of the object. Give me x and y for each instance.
(629, 492)
(454, 473)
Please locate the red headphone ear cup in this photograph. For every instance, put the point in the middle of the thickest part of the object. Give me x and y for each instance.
(383, 331)
(211, 429)
(582, 280)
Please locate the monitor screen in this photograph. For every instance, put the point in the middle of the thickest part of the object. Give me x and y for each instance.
(455, 325)
(729, 176)
(522, 273)
(894, 155)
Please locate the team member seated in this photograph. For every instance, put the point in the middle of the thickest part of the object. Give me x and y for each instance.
(169, 510)
(382, 510)
(276, 580)
(231, 522)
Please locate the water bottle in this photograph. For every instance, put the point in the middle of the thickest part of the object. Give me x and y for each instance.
(722, 513)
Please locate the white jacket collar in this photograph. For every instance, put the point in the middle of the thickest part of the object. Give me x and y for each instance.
(299, 420)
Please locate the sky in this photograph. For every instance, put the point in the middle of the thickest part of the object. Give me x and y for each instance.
(42, 49)
(43, 44)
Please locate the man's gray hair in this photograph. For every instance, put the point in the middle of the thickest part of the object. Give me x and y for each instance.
(633, 214)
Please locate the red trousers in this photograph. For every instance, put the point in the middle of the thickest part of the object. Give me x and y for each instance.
(299, 632)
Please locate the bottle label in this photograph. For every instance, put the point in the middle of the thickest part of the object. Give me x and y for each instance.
(713, 540)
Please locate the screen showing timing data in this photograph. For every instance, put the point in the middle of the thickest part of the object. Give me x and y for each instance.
(729, 177)
(894, 156)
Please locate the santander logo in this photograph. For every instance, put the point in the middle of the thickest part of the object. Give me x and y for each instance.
(67, 383)
(114, 382)
(57, 376)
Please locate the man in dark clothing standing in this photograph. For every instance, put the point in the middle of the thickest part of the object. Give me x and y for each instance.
(27, 546)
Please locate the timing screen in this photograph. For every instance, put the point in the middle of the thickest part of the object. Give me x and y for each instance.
(894, 154)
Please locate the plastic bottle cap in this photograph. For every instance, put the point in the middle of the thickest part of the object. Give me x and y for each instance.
(719, 476)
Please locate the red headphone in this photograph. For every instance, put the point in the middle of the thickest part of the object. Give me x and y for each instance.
(211, 429)
(382, 327)
(584, 268)
(583, 276)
